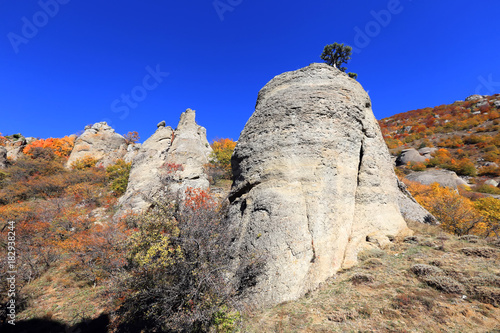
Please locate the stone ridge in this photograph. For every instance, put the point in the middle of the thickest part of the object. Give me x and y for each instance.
(313, 179)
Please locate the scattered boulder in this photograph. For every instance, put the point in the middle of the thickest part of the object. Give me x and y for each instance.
(161, 124)
(409, 155)
(491, 164)
(482, 103)
(169, 161)
(427, 152)
(445, 178)
(312, 179)
(101, 142)
(491, 182)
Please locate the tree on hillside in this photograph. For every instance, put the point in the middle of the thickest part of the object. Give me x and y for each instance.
(337, 54)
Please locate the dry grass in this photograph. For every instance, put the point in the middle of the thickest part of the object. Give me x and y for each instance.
(58, 296)
(425, 283)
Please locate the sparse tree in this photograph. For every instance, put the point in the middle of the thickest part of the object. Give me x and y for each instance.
(337, 54)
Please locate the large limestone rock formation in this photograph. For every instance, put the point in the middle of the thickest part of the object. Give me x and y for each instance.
(313, 180)
(101, 142)
(169, 161)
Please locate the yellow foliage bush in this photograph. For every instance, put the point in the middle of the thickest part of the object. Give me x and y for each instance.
(456, 213)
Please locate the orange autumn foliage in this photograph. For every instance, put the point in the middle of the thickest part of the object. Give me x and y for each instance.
(62, 147)
(456, 213)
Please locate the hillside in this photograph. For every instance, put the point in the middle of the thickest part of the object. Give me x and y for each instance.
(467, 129)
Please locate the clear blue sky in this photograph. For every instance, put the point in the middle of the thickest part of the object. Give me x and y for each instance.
(66, 63)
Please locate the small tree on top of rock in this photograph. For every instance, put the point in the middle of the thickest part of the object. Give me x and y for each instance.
(337, 54)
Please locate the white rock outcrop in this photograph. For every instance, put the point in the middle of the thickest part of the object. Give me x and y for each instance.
(101, 142)
(168, 162)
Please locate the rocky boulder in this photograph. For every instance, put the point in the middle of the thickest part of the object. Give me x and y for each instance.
(167, 162)
(313, 179)
(14, 146)
(3, 157)
(101, 142)
(474, 97)
(491, 182)
(409, 155)
(427, 152)
(444, 178)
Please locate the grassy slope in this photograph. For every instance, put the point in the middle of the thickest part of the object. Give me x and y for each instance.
(382, 294)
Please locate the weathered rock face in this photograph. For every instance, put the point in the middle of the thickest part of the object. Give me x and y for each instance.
(178, 155)
(101, 142)
(411, 209)
(15, 147)
(132, 151)
(3, 157)
(444, 178)
(146, 174)
(313, 179)
(191, 149)
(409, 155)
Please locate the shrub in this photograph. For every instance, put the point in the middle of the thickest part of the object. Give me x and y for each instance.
(416, 166)
(422, 270)
(490, 170)
(84, 163)
(485, 252)
(61, 147)
(118, 175)
(445, 284)
(220, 158)
(485, 188)
(178, 261)
(456, 213)
(489, 209)
(361, 278)
(131, 137)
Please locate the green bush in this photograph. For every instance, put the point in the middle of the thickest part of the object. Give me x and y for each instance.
(118, 175)
(487, 189)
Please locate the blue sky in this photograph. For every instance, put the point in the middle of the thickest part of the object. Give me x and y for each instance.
(67, 63)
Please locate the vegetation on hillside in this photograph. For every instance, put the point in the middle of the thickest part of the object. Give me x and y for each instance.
(468, 132)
